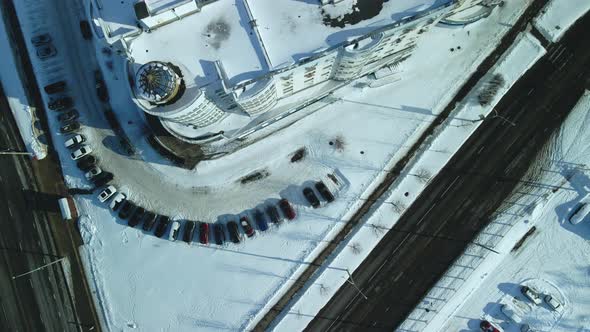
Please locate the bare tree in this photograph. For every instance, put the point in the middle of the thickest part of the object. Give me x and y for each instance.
(324, 290)
(490, 89)
(423, 175)
(398, 206)
(378, 229)
(356, 248)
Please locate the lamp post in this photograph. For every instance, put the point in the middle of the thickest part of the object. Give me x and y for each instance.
(39, 268)
(495, 115)
(10, 152)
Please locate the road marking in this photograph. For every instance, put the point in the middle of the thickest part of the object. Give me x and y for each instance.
(449, 186)
(379, 269)
(480, 149)
(10, 211)
(530, 91)
(427, 212)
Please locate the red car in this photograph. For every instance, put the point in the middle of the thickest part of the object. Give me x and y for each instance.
(486, 326)
(287, 209)
(204, 233)
(245, 223)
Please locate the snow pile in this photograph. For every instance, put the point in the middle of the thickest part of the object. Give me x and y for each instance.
(15, 93)
(558, 15)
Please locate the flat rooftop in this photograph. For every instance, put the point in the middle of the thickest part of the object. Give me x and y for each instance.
(294, 29)
(219, 32)
(289, 30)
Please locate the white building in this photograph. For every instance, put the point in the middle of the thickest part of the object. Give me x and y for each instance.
(238, 60)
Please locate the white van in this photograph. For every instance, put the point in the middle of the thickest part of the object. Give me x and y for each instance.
(580, 212)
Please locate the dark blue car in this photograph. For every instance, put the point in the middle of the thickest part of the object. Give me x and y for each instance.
(260, 220)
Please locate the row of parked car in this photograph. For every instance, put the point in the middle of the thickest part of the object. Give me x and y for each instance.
(136, 215)
(81, 153)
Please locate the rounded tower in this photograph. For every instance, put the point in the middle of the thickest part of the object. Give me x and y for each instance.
(157, 83)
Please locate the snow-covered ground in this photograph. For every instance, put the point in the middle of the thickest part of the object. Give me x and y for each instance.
(558, 15)
(461, 124)
(154, 284)
(553, 259)
(17, 99)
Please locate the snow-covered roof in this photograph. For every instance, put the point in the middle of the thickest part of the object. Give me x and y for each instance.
(160, 5)
(219, 32)
(245, 35)
(292, 30)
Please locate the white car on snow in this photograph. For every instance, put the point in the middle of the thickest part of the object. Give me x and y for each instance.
(81, 152)
(117, 201)
(94, 171)
(106, 193)
(74, 140)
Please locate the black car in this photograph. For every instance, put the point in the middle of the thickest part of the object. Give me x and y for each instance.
(61, 103)
(324, 191)
(86, 163)
(126, 209)
(69, 127)
(68, 116)
(56, 87)
(46, 51)
(102, 178)
(311, 197)
(219, 234)
(273, 214)
(136, 216)
(101, 88)
(234, 233)
(163, 222)
(41, 39)
(189, 232)
(85, 29)
(149, 219)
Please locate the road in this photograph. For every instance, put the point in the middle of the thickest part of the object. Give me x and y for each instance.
(32, 233)
(38, 301)
(398, 169)
(457, 204)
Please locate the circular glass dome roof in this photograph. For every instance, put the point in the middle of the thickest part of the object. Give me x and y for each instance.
(156, 82)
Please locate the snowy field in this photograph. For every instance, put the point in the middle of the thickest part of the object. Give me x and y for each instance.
(152, 284)
(554, 259)
(463, 122)
(558, 16)
(17, 100)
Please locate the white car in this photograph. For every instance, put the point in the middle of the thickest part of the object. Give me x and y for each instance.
(579, 213)
(74, 140)
(531, 294)
(106, 193)
(117, 201)
(94, 171)
(174, 230)
(552, 302)
(81, 152)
